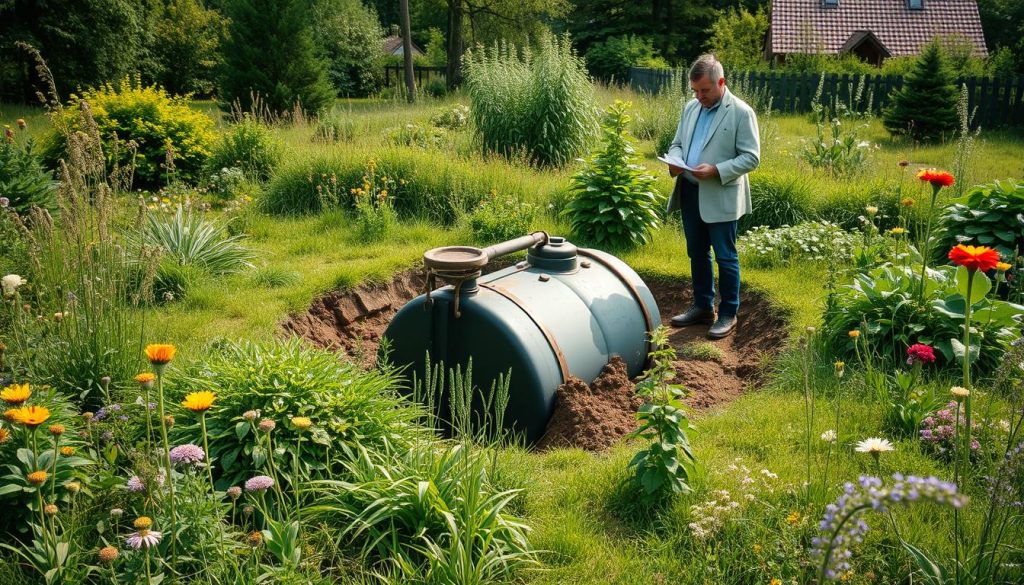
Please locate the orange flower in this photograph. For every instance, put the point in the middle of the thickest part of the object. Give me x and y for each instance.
(145, 378)
(936, 178)
(4, 435)
(160, 354)
(37, 477)
(57, 430)
(32, 416)
(974, 257)
(199, 401)
(11, 414)
(15, 394)
(67, 451)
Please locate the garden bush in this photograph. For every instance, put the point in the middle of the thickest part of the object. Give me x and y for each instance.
(812, 242)
(333, 128)
(23, 180)
(250, 146)
(497, 219)
(925, 108)
(163, 129)
(352, 409)
(416, 135)
(988, 215)
(778, 199)
(889, 301)
(540, 103)
(615, 202)
(611, 58)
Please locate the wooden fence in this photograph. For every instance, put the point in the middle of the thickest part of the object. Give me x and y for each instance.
(994, 102)
(394, 75)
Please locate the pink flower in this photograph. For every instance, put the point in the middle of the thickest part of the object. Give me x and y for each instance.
(188, 454)
(143, 538)
(259, 483)
(921, 353)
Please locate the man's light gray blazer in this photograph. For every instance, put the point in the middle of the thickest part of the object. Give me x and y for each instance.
(733, 145)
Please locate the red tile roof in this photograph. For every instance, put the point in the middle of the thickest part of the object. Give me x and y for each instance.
(806, 26)
(393, 43)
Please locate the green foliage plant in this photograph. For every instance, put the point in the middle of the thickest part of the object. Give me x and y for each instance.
(665, 467)
(187, 40)
(540, 103)
(452, 118)
(190, 239)
(348, 35)
(141, 127)
(737, 38)
(497, 219)
(23, 180)
(988, 215)
(886, 298)
(610, 59)
(615, 202)
(279, 379)
(417, 135)
(813, 241)
(333, 128)
(250, 146)
(375, 213)
(925, 108)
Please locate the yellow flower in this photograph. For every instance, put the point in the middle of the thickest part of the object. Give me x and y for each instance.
(31, 416)
(1003, 266)
(855, 333)
(757, 549)
(143, 523)
(775, 581)
(301, 422)
(16, 394)
(145, 378)
(67, 451)
(57, 430)
(793, 518)
(37, 477)
(897, 231)
(840, 368)
(11, 414)
(959, 393)
(871, 209)
(5, 435)
(73, 487)
(907, 202)
(160, 354)
(199, 401)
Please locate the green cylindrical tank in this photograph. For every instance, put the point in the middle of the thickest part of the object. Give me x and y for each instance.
(562, 312)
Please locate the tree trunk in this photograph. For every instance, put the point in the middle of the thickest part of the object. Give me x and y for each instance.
(455, 46)
(410, 83)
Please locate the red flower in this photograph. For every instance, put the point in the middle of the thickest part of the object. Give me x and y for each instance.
(920, 352)
(936, 178)
(972, 258)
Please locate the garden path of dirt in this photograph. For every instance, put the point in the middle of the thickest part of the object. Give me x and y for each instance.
(354, 320)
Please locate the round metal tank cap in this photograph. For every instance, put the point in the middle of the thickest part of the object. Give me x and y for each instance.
(455, 257)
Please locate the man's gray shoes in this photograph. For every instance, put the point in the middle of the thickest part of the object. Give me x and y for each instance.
(692, 316)
(724, 325)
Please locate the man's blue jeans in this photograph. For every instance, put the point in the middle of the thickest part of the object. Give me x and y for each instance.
(701, 238)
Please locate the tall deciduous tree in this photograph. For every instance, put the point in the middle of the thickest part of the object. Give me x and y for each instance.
(349, 36)
(187, 42)
(270, 52)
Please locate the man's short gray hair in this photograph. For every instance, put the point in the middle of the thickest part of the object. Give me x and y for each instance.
(706, 64)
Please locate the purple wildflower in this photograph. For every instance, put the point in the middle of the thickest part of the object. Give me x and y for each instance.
(188, 454)
(135, 484)
(840, 530)
(107, 436)
(143, 538)
(259, 483)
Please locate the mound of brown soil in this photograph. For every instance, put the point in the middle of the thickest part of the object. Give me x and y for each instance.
(593, 417)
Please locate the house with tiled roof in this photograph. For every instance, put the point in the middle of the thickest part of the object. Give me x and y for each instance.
(873, 30)
(393, 44)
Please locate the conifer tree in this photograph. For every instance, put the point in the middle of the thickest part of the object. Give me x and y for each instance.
(925, 108)
(271, 53)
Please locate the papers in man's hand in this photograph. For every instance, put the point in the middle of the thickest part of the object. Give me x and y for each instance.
(674, 161)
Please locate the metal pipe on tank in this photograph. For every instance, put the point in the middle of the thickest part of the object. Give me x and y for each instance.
(516, 245)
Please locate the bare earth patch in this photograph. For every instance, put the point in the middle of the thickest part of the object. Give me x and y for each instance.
(593, 416)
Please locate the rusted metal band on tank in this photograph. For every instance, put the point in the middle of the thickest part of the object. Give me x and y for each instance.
(544, 330)
(632, 290)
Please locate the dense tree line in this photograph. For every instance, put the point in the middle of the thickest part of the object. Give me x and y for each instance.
(196, 46)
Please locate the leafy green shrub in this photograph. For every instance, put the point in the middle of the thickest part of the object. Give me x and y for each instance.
(888, 300)
(375, 215)
(611, 59)
(416, 135)
(163, 128)
(248, 145)
(845, 206)
(839, 150)
(192, 240)
(737, 38)
(348, 34)
(426, 186)
(352, 409)
(23, 180)
(615, 201)
(432, 513)
(542, 103)
(812, 241)
(666, 465)
(498, 219)
(990, 215)
(778, 200)
(333, 128)
(454, 118)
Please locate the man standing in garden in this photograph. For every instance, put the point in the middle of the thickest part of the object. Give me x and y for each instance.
(718, 139)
